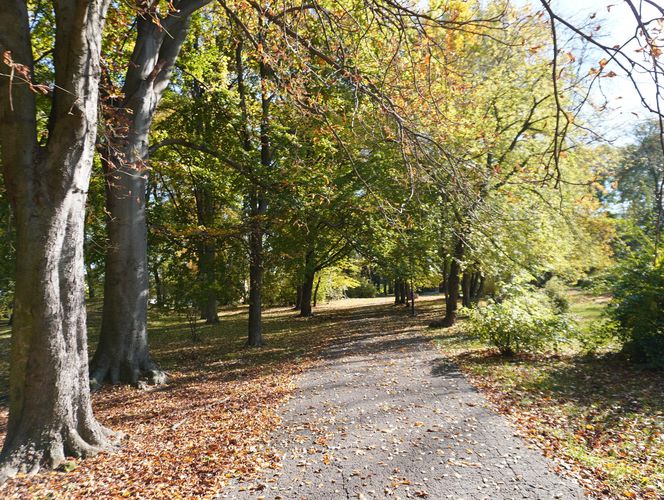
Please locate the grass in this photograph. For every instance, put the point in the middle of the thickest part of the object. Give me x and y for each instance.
(602, 418)
(587, 308)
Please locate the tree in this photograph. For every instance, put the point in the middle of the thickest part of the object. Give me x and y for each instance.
(122, 354)
(50, 415)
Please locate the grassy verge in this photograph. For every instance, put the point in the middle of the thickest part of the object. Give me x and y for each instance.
(600, 417)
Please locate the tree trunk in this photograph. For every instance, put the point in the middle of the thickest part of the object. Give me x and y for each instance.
(452, 296)
(479, 290)
(444, 288)
(258, 201)
(209, 309)
(412, 299)
(476, 287)
(466, 285)
(307, 289)
(255, 338)
(397, 290)
(316, 291)
(122, 354)
(50, 415)
(402, 292)
(207, 255)
(298, 298)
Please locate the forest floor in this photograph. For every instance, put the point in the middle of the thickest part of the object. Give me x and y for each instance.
(368, 387)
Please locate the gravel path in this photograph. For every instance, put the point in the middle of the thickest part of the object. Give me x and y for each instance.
(385, 416)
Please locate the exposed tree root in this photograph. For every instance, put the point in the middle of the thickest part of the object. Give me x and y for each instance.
(125, 372)
(27, 455)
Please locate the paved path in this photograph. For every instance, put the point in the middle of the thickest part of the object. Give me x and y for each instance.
(385, 416)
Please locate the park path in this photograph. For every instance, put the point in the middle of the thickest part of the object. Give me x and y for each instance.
(384, 415)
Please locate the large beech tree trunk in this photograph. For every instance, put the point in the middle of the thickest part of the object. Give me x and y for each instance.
(50, 415)
(402, 292)
(122, 355)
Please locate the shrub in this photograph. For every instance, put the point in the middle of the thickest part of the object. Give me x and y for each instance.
(556, 290)
(521, 320)
(364, 290)
(598, 335)
(638, 305)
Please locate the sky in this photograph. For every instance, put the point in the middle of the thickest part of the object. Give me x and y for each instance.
(624, 111)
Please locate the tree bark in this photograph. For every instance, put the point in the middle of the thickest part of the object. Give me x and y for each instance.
(298, 298)
(255, 334)
(209, 309)
(444, 288)
(256, 198)
(122, 355)
(316, 291)
(207, 255)
(50, 415)
(452, 296)
(479, 291)
(308, 283)
(412, 299)
(466, 286)
(307, 290)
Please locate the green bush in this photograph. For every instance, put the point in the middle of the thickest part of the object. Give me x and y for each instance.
(556, 290)
(598, 335)
(638, 305)
(364, 290)
(521, 320)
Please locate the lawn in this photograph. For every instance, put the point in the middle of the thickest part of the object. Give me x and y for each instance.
(601, 418)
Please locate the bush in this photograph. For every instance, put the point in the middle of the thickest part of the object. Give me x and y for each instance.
(364, 290)
(638, 305)
(556, 290)
(598, 335)
(521, 320)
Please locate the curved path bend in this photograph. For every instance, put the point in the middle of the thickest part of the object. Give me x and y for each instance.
(384, 415)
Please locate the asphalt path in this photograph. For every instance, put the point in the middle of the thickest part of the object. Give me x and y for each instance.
(384, 415)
